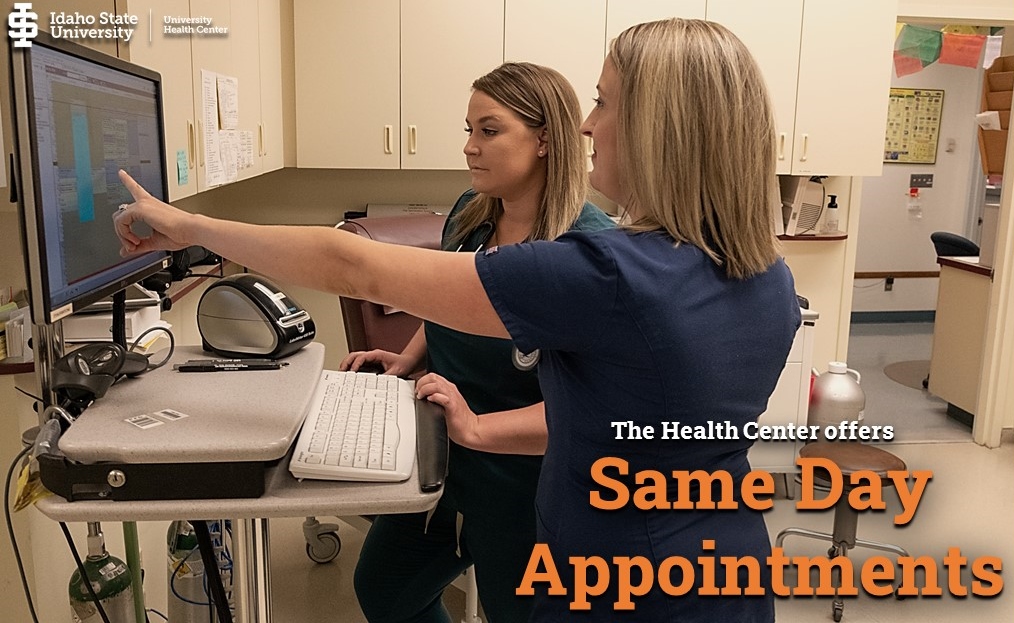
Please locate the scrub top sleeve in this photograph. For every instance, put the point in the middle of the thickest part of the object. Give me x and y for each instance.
(554, 295)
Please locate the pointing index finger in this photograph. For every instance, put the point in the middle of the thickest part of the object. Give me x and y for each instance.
(135, 189)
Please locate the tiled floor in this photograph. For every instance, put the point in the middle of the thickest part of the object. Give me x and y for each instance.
(968, 504)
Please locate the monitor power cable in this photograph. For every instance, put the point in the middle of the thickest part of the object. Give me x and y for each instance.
(10, 531)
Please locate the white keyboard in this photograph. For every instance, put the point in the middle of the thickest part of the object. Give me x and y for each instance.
(360, 426)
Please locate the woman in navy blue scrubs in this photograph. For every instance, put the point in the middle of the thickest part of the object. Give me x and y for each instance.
(684, 314)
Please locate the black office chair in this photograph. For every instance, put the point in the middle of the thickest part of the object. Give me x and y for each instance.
(950, 244)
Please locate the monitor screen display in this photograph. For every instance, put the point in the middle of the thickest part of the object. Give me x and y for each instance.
(80, 117)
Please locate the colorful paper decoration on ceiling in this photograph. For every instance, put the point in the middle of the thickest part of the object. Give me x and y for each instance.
(916, 47)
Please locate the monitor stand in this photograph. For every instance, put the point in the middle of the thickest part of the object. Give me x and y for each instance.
(135, 363)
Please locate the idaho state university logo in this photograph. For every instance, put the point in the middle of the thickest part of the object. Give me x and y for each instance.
(21, 22)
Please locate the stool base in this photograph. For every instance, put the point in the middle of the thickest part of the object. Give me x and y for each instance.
(839, 547)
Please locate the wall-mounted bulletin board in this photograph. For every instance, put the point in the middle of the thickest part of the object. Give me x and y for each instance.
(913, 125)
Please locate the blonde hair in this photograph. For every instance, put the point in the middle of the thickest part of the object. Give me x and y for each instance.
(541, 97)
(696, 140)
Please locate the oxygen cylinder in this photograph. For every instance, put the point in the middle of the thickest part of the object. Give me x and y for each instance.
(836, 397)
(187, 599)
(109, 578)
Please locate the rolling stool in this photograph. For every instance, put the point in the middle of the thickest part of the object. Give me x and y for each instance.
(849, 457)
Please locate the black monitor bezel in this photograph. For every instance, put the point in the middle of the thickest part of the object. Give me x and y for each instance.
(26, 169)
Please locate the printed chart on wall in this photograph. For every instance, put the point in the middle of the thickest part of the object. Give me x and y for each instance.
(913, 125)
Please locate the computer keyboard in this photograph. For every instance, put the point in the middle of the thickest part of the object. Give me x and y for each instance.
(360, 426)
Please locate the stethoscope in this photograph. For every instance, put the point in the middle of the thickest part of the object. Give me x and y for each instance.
(479, 237)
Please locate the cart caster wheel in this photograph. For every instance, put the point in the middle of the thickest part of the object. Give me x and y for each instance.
(837, 612)
(831, 553)
(325, 549)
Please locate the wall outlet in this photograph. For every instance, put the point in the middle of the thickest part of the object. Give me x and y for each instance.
(888, 284)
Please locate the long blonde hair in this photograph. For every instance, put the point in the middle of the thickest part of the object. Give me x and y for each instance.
(696, 140)
(541, 97)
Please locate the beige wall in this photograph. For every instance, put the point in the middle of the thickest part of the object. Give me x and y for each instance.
(977, 12)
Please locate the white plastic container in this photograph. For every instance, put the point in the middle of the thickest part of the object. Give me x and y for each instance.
(836, 397)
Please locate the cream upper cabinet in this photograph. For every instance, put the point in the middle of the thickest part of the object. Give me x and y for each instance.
(829, 86)
(170, 56)
(385, 85)
(771, 30)
(845, 67)
(621, 14)
(270, 142)
(348, 86)
(445, 46)
(256, 49)
(191, 133)
(567, 36)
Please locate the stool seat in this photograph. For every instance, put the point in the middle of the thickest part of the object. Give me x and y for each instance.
(852, 456)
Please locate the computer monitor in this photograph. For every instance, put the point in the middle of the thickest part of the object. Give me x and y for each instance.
(79, 117)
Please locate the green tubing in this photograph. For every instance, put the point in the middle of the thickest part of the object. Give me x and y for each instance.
(130, 543)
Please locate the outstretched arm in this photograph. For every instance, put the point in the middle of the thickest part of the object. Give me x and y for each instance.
(441, 287)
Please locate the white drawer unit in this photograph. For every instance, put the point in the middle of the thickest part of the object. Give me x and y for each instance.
(788, 404)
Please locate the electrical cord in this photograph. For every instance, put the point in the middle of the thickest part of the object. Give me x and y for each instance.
(32, 396)
(172, 346)
(172, 582)
(154, 611)
(84, 574)
(876, 284)
(10, 531)
(218, 597)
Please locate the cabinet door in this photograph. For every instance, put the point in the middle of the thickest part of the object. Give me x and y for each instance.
(214, 54)
(621, 14)
(347, 84)
(244, 33)
(170, 56)
(574, 51)
(445, 45)
(269, 139)
(771, 31)
(844, 83)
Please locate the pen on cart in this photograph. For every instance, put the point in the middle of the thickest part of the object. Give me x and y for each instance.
(217, 365)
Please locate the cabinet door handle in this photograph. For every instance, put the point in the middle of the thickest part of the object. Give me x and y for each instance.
(806, 144)
(781, 145)
(412, 139)
(200, 148)
(261, 151)
(388, 135)
(191, 144)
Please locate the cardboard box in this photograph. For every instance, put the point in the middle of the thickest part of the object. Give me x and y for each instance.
(997, 94)
(998, 100)
(1001, 81)
(992, 148)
